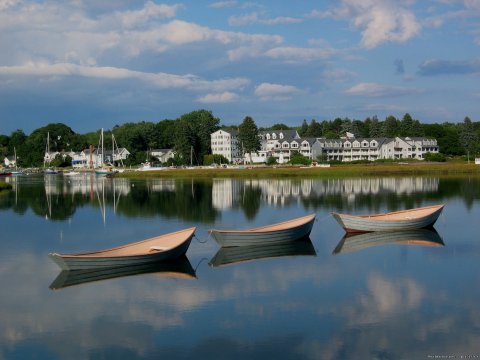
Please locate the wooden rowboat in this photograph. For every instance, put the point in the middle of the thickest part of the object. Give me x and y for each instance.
(178, 268)
(286, 231)
(399, 220)
(238, 254)
(418, 237)
(161, 248)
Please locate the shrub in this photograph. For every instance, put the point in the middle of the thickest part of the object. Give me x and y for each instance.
(435, 157)
(271, 160)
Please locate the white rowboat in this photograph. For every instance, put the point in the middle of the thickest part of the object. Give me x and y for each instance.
(161, 248)
(399, 220)
(286, 231)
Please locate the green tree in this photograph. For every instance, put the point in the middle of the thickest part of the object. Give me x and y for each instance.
(248, 135)
(391, 127)
(406, 126)
(374, 127)
(468, 137)
(184, 140)
(303, 130)
(280, 126)
(314, 129)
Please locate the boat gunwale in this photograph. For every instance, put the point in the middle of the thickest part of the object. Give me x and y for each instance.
(379, 216)
(97, 253)
(270, 228)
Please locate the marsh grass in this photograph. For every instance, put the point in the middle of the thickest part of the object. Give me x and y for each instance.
(335, 171)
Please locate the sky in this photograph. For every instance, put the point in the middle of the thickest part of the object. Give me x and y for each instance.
(95, 64)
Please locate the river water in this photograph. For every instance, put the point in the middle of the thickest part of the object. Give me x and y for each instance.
(327, 298)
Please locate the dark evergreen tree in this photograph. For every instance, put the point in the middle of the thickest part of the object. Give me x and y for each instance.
(248, 135)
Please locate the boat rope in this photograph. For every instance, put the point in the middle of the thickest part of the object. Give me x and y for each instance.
(323, 218)
(203, 241)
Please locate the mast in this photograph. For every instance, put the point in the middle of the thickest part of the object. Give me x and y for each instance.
(191, 156)
(47, 149)
(101, 138)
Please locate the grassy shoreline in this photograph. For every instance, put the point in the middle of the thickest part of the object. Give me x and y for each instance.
(344, 170)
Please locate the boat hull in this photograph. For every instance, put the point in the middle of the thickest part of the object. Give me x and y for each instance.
(352, 223)
(89, 261)
(265, 236)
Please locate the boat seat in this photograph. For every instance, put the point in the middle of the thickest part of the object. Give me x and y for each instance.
(158, 248)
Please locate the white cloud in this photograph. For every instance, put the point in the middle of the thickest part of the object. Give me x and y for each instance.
(150, 11)
(223, 4)
(381, 21)
(159, 80)
(276, 92)
(62, 32)
(224, 97)
(253, 18)
(297, 54)
(4, 4)
(378, 90)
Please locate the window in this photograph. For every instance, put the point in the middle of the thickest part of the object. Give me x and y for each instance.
(294, 145)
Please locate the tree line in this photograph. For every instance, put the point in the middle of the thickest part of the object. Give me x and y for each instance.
(190, 134)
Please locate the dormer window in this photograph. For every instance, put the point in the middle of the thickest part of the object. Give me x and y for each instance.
(294, 145)
(274, 136)
(285, 145)
(365, 143)
(281, 135)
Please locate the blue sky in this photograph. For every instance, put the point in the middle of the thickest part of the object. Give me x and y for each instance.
(92, 64)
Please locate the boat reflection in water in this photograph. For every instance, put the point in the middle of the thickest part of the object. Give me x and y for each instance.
(178, 268)
(232, 255)
(421, 237)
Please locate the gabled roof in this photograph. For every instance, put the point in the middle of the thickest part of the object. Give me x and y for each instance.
(287, 134)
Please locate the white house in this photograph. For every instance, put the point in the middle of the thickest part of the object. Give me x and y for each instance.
(225, 143)
(163, 154)
(280, 144)
(9, 162)
(353, 149)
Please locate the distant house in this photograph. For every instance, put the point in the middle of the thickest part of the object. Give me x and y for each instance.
(119, 155)
(9, 162)
(225, 143)
(162, 154)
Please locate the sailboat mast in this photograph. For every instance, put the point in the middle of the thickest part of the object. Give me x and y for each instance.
(101, 136)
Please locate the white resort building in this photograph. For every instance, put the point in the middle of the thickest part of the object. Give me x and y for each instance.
(225, 142)
(280, 144)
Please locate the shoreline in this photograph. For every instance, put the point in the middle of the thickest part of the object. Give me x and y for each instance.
(343, 170)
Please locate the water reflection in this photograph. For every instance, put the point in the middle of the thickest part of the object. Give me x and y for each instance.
(419, 237)
(179, 268)
(233, 255)
(58, 198)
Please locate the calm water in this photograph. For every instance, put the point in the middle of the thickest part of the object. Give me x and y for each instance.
(359, 298)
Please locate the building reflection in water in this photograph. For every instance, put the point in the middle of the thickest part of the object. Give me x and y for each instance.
(227, 192)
